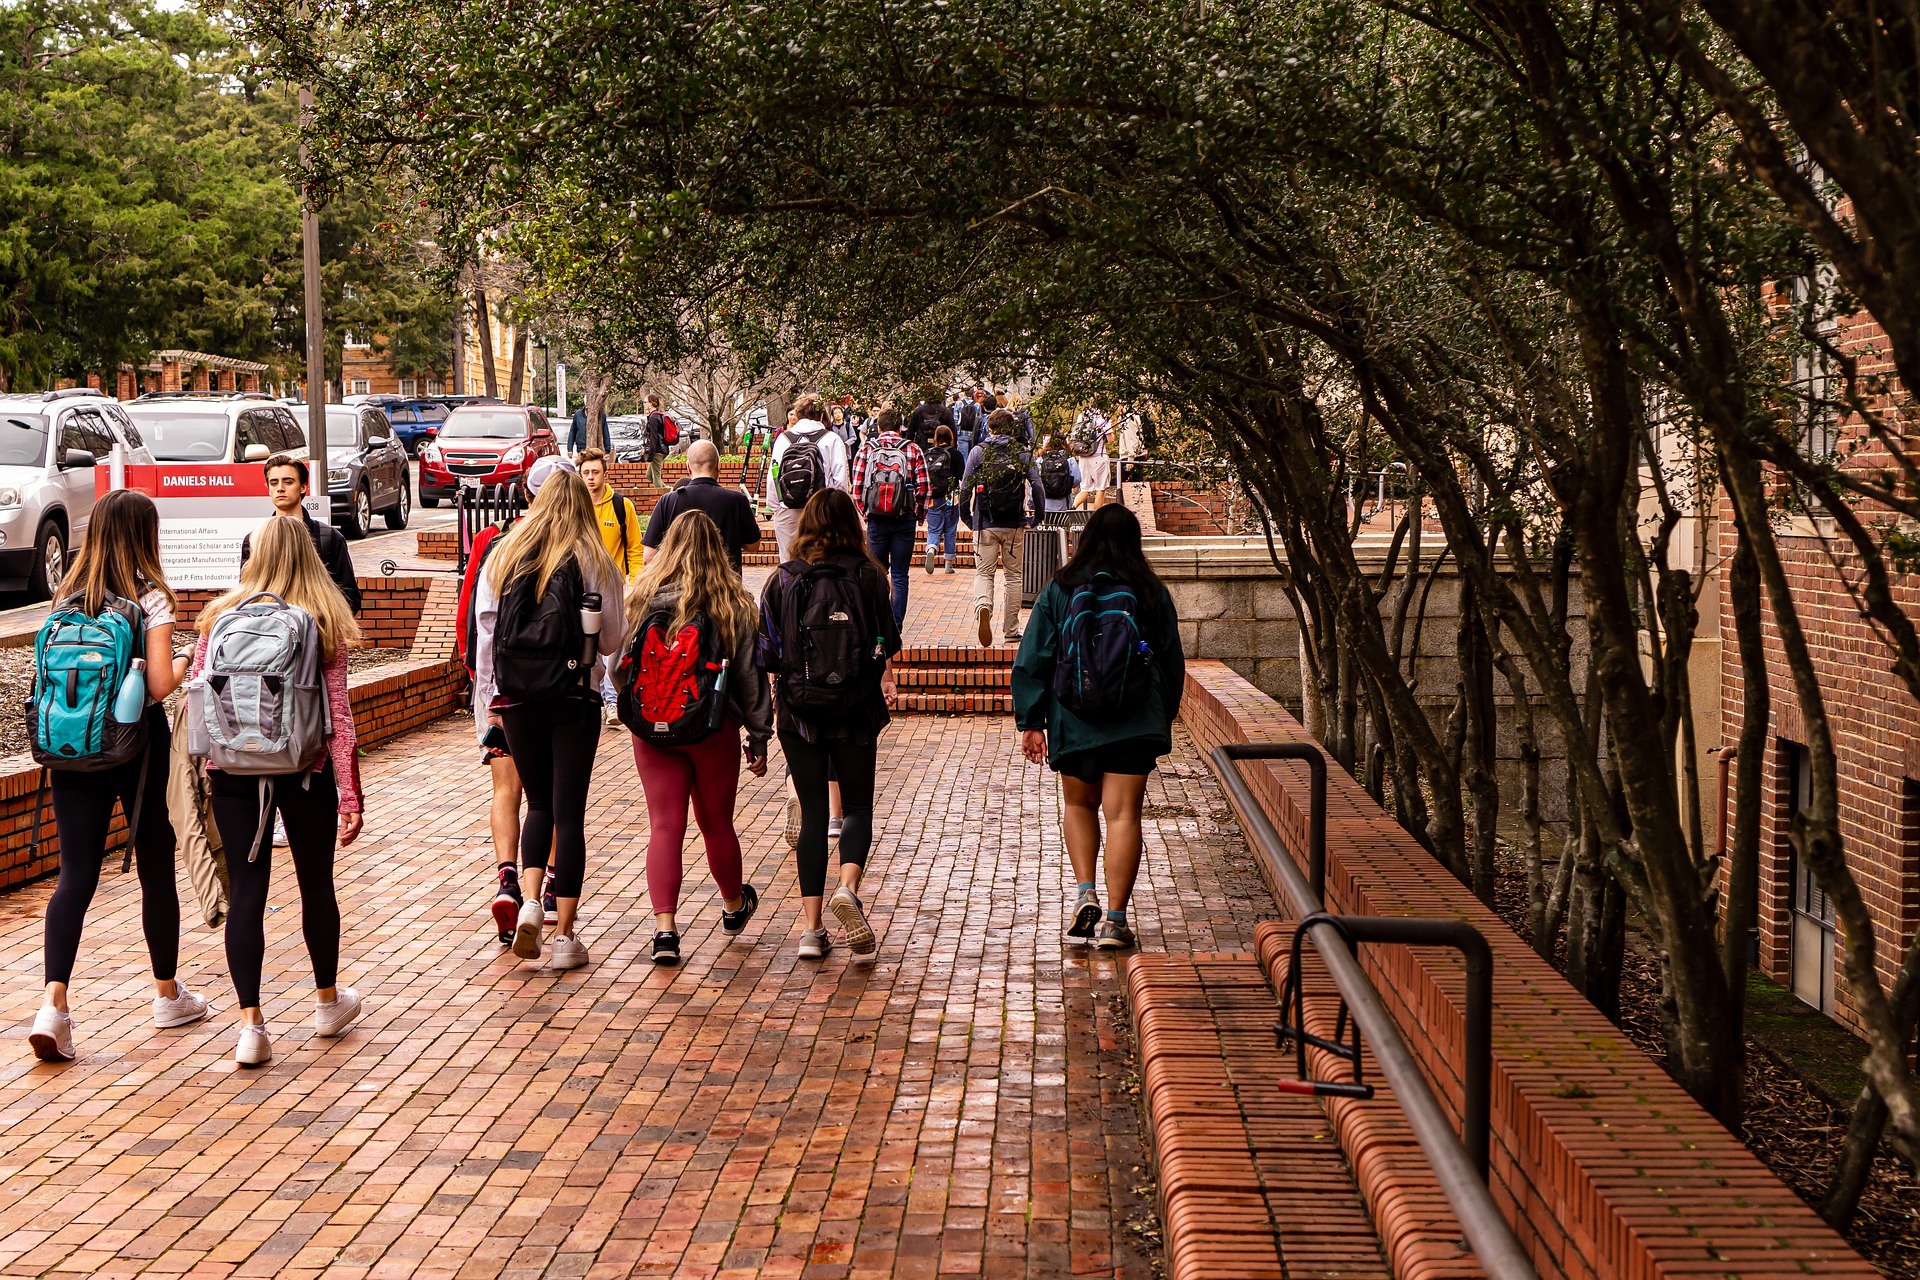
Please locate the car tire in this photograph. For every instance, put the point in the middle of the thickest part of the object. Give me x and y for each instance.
(396, 515)
(428, 500)
(359, 514)
(49, 546)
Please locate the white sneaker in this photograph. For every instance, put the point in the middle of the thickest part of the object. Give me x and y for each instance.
(181, 1009)
(279, 831)
(52, 1035)
(566, 953)
(331, 1017)
(846, 904)
(526, 934)
(254, 1048)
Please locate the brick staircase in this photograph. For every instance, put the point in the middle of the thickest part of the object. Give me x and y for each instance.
(955, 679)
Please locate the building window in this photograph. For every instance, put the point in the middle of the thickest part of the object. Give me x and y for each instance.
(433, 386)
(409, 387)
(361, 387)
(1811, 940)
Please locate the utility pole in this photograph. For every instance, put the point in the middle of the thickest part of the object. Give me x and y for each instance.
(316, 335)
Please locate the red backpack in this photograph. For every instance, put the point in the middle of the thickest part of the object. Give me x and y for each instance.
(673, 685)
(466, 632)
(669, 430)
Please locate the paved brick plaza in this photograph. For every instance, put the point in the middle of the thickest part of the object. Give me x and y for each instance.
(962, 1107)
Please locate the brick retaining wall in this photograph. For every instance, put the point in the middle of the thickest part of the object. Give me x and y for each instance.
(1601, 1163)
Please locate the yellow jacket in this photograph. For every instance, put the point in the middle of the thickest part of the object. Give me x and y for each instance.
(629, 556)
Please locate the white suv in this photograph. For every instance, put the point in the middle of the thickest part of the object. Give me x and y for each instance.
(49, 444)
(216, 429)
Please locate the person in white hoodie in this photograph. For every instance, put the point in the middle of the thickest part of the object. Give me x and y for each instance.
(820, 463)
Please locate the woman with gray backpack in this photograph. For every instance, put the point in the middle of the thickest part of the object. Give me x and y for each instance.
(103, 661)
(267, 708)
(1096, 688)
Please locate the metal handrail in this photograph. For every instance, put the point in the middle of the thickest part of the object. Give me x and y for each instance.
(1459, 1175)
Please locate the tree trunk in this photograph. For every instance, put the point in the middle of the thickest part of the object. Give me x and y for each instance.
(517, 376)
(483, 329)
(598, 386)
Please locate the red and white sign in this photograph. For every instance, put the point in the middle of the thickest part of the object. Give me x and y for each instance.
(205, 512)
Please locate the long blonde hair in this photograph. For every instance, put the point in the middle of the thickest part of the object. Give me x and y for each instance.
(560, 523)
(693, 558)
(284, 563)
(121, 556)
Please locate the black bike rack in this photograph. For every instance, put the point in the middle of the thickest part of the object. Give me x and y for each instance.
(480, 505)
(1293, 997)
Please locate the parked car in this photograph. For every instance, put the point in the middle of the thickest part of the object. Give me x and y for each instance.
(627, 437)
(216, 429)
(483, 444)
(414, 418)
(50, 443)
(367, 469)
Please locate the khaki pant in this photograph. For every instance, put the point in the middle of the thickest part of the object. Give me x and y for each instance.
(786, 523)
(653, 472)
(998, 549)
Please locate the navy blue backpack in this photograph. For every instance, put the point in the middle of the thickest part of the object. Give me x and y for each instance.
(1103, 665)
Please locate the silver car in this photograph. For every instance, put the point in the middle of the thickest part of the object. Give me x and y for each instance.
(50, 443)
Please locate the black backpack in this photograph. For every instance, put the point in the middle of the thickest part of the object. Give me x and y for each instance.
(538, 640)
(969, 419)
(803, 471)
(1056, 475)
(828, 643)
(673, 685)
(940, 475)
(1003, 484)
(1103, 664)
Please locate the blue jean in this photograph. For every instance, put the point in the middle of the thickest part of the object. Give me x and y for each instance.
(891, 542)
(943, 530)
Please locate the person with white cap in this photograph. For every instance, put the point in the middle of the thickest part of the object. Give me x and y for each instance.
(538, 647)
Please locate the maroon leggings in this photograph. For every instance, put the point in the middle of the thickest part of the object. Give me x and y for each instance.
(706, 774)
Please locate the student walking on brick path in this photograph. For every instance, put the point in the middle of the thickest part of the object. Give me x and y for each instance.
(621, 531)
(828, 638)
(287, 483)
(318, 802)
(690, 688)
(807, 457)
(731, 510)
(118, 571)
(1059, 473)
(945, 465)
(890, 485)
(1096, 687)
(546, 612)
(1001, 490)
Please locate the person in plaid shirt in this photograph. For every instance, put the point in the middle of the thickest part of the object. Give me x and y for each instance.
(890, 484)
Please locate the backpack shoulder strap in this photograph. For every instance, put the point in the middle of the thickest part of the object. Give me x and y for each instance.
(620, 518)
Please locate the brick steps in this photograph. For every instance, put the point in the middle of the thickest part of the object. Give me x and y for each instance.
(955, 680)
(1251, 1185)
(978, 677)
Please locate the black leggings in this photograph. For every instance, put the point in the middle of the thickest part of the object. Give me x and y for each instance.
(553, 747)
(852, 765)
(82, 810)
(312, 816)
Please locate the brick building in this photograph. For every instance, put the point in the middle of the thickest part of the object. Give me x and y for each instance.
(368, 370)
(1876, 729)
(174, 370)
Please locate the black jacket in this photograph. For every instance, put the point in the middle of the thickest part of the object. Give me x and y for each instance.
(332, 546)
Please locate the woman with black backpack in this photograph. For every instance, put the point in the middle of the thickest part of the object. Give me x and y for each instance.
(945, 465)
(688, 689)
(539, 639)
(828, 638)
(118, 573)
(1059, 473)
(1096, 687)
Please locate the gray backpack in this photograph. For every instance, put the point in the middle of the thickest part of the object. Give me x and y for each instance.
(259, 707)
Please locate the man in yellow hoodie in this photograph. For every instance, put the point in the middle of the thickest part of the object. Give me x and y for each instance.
(621, 528)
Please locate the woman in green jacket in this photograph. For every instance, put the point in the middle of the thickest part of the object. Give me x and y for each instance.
(1103, 756)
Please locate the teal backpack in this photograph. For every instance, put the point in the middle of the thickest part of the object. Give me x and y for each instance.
(80, 661)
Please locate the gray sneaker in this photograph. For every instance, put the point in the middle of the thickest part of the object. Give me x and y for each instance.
(814, 945)
(332, 1017)
(985, 620)
(1113, 936)
(181, 1009)
(835, 827)
(792, 832)
(845, 903)
(1086, 917)
(566, 953)
(52, 1035)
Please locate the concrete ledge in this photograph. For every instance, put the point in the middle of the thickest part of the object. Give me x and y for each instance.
(1603, 1166)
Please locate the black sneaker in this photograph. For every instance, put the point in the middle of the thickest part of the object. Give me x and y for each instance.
(548, 903)
(732, 922)
(506, 904)
(666, 948)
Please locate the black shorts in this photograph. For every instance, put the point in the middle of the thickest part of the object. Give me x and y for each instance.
(1134, 756)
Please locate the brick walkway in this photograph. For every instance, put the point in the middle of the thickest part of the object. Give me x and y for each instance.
(962, 1107)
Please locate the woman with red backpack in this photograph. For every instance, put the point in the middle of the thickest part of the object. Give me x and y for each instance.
(828, 637)
(688, 689)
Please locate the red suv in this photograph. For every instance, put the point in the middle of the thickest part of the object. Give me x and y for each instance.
(483, 444)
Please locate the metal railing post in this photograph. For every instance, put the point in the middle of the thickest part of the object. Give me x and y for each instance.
(1462, 1178)
(1316, 796)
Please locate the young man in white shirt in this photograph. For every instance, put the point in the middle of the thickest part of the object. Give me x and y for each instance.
(785, 498)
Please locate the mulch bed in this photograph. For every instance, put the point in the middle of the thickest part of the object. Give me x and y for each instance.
(1794, 1130)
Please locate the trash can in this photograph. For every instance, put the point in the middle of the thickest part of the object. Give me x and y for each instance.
(1043, 551)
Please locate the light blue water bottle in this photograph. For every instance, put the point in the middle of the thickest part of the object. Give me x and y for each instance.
(132, 698)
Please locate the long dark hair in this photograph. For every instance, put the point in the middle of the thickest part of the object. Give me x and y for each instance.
(829, 526)
(1110, 543)
(121, 556)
